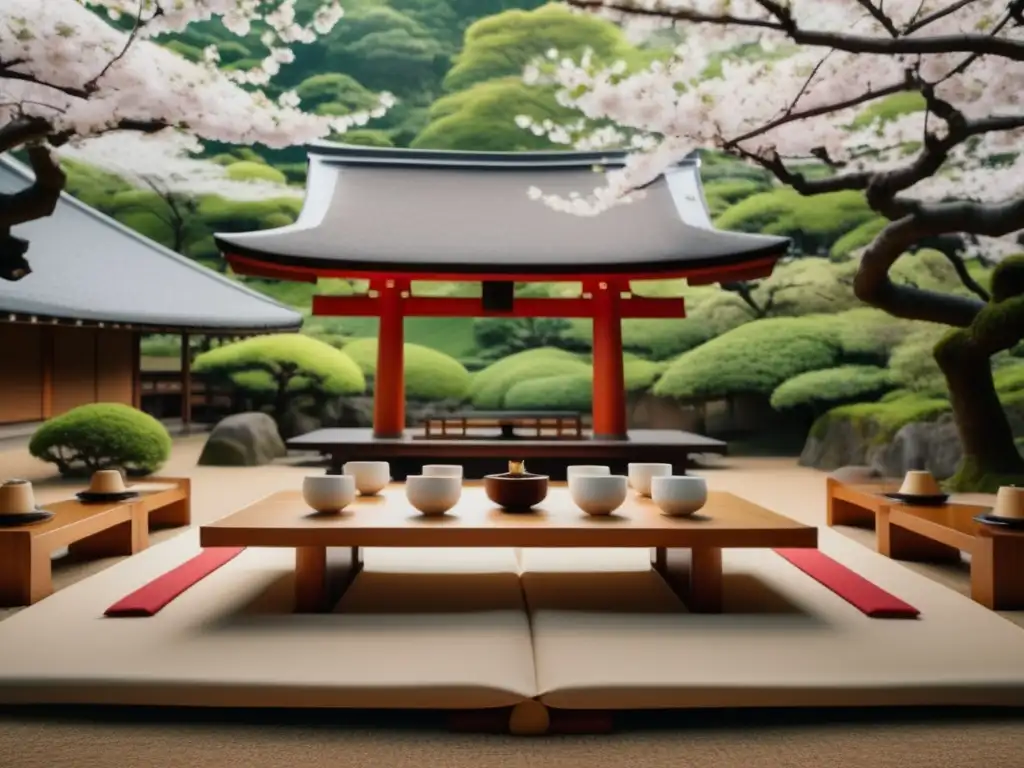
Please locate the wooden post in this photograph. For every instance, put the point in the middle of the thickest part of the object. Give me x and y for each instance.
(389, 380)
(137, 371)
(609, 380)
(186, 384)
(48, 343)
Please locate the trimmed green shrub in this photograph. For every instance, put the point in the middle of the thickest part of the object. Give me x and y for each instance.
(282, 366)
(489, 386)
(567, 392)
(827, 388)
(857, 238)
(102, 436)
(250, 171)
(752, 359)
(429, 374)
(913, 365)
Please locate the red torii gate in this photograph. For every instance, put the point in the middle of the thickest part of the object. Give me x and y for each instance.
(364, 218)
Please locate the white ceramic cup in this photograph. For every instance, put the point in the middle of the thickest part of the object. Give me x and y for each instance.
(599, 494)
(17, 498)
(679, 495)
(640, 476)
(371, 477)
(442, 470)
(107, 481)
(579, 470)
(433, 494)
(329, 493)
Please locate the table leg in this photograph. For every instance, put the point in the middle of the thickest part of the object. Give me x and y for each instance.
(843, 512)
(322, 574)
(997, 581)
(117, 541)
(901, 544)
(173, 515)
(695, 575)
(25, 574)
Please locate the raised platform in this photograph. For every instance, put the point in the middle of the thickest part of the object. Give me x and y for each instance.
(485, 629)
(482, 453)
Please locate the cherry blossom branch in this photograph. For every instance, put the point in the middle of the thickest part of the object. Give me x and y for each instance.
(8, 73)
(93, 83)
(931, 18)
(879, 15)
(985, 45)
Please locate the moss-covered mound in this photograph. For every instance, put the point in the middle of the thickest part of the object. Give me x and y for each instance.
(102, 436)
(575, 391)
(429, 374)
(820, 390)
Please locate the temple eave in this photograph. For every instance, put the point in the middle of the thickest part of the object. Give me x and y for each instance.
(750, 266)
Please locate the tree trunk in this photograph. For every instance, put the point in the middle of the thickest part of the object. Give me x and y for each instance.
(990, 455)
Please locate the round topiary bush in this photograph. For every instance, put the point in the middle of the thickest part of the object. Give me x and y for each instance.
(490, 386)
(429, 374)
(820, 390)
(567, 392)
(753, 359)
(102, 436)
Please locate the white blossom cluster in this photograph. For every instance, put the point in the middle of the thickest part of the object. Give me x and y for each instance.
(789, 100)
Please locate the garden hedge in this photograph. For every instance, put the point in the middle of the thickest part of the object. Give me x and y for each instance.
(429, 374)
(102, 436)
(574, 391)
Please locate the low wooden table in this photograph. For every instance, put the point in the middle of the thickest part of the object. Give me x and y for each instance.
(89, 531)
(936, 534)
(687, 552)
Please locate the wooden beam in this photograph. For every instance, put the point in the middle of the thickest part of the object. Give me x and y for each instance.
(427, 306)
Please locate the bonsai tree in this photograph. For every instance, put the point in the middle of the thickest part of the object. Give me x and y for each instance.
(281, 369)
(102, 436)
(912, 106)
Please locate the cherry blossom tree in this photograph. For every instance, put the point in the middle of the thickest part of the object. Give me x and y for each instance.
(787, 85)
(73, 70)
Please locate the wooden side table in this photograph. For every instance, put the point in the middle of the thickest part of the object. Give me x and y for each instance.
(88, 531)
(936, 535)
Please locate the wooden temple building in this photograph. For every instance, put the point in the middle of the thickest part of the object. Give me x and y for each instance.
(70, 331)
(395, 216)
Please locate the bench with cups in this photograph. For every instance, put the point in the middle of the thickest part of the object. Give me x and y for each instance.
(109, 519)
(915, 521)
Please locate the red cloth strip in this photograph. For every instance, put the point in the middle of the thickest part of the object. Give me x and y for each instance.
(868, 598)
(151, 598)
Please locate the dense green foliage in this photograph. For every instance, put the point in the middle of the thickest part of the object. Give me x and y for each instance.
(490, 386)
(102, 436)
(286, 362)
(429, 374)
(826, 388)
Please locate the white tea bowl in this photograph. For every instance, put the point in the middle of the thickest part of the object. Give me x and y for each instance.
(433, 495)
(329, 493)
(580, 470)
(442, 470)
(640, 476)
(598, 494)
(371, 477)
(679, 495)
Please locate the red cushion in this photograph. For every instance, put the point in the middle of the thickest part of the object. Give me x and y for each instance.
(151, 598)
(853, 588)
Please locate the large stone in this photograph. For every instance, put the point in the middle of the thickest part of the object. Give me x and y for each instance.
(243, 440)
(931, 445)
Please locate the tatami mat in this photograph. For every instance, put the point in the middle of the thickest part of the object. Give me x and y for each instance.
(617, 637)
(231, 641)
